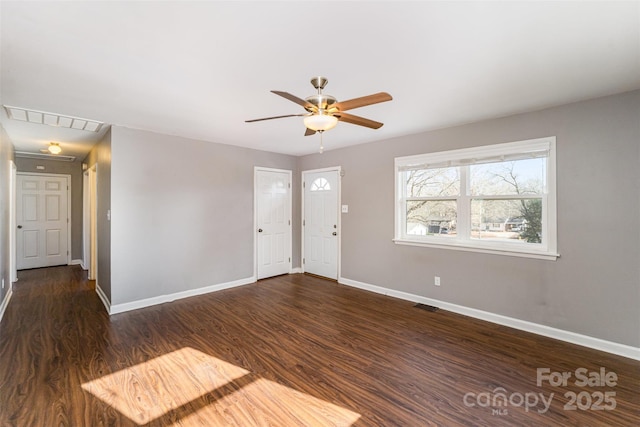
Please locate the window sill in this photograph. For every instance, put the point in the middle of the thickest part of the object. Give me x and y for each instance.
(549, 256)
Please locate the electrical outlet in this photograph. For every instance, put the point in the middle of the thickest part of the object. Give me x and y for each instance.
(436, 280)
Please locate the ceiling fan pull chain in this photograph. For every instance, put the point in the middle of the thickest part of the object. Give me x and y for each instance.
(321, 146)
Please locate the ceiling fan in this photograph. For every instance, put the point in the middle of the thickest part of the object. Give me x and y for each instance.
(324, 111)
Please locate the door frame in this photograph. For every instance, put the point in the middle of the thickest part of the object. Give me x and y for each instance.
(89, 224)
(13, 250)
(337, 169)
(88, 221)
(69, 223)
(257, 169)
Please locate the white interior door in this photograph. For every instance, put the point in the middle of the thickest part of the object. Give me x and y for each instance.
(42, 221)
(320, 223)
(273, 222)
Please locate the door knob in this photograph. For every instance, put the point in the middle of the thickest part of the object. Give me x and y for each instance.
(19, 226)
(259, 230)
(334, 233)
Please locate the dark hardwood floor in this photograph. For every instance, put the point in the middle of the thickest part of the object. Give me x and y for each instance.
(291, 350)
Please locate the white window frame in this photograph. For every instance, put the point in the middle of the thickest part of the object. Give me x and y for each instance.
(463, 158)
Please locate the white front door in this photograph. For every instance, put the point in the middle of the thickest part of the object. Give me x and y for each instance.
(42, 221)
(273, 222)
(320, 223)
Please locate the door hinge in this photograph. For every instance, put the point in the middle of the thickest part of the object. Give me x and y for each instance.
(289, 222)
(303, 260)
(304, 222)
(289, 259)
(304, 184)
(289, 185)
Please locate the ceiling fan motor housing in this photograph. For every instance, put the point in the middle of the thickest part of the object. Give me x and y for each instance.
(320, 102)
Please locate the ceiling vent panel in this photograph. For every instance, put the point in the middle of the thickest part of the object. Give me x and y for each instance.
(34, 117)
(79, 124)
(92, 126)
(18, 115)
(43, 156)
(65, 122)
(53, 119)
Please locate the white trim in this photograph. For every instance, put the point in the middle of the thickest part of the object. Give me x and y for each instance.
(13, 252)
(93, 222)
(339, 215)
(85, 220)
(256, 169)
(461, 247)
(76, 262)
(103, 298)
(5, 302)
(147, 302)
(523, 325)
(296, 270)
(468, 155)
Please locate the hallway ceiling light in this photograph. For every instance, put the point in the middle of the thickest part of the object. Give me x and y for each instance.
(54, 148)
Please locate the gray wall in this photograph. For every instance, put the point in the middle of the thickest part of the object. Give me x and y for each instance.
(182, 213)
(65, 168)
(592, 289)
(100, 156)
(6, 156)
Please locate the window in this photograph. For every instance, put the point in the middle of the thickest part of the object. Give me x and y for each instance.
(497, 199)
(320, 184)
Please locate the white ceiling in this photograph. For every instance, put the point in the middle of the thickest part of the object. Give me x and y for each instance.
(199, 69)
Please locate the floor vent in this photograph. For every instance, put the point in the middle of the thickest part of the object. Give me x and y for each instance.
(426, 307)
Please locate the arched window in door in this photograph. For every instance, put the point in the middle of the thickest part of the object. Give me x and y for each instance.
(320, 184)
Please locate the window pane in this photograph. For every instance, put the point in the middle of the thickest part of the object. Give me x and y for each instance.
(513, 220)
(508, 178)
(320, 184)
(441, 182)
(428, 218)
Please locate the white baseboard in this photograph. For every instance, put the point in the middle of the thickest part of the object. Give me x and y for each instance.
(103, 298)
(5, 302)
(147, 302)
(76, 262)
(296, 270)
(523, 325)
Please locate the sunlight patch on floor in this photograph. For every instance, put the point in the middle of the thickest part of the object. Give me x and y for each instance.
(188, 387)
(265, 402)
(148, 390)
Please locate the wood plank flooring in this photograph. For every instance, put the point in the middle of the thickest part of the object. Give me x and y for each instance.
(288, 351)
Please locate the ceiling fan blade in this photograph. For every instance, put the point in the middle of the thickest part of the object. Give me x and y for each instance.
(362, 101)
(274, 117)
(309, 132)
(299, 101)
(357, 120)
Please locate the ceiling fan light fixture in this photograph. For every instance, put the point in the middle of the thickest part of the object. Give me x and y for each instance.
(54, 148)
(320, 122)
